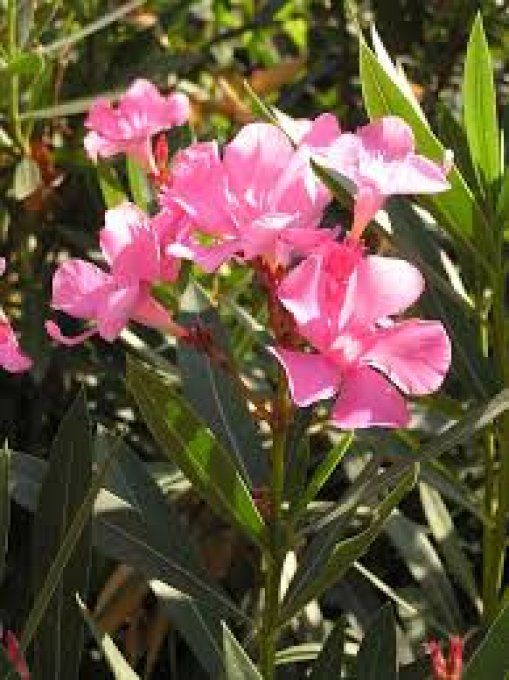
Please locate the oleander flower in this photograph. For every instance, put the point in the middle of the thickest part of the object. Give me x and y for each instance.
(344, 304)
(380, 160)
(260, 198)
(12, 357)
(141, 113)
(134, 248)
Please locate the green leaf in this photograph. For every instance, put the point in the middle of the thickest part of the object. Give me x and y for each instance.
(213, 394)
(238, 666)
(134, 523)
(324, 564)
(199, 626)
(118, 665)
(5, 507)
(376, 658)
(59, 639)
(25, 64)
(423, 562)
(307, 651)
(26, 475)
(474, 420)
(491, 658)
(27, 178)
(503, 201)
(330, 658)
(323, 471)
(111, 187)
(184, 438)
(456, 208)
(139, 185)
(480, 108)
(64, 554)
(448, 541)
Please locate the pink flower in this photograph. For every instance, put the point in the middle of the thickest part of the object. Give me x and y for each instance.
(133, 246)
(449, 668)
(12, 357)
(380, 160)
(15, 655)
(343, 304)
(141, 113)
(260, 199)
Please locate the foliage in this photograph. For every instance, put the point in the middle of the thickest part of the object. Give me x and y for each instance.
(179, 536)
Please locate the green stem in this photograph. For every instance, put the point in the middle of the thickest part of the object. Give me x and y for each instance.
(12, 48)
(275, 554)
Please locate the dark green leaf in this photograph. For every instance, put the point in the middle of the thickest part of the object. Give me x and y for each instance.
(491, 658)
(5, 507)
(376, 659)
(139, 185)
(328, 662)
(480, 108)
(118, 665)
(134, 524)
(64, 554)
(111, 187)
(238, 666)
(185, 439)
(325, 560)
(59, 639)
(214, 395)
(323, 471)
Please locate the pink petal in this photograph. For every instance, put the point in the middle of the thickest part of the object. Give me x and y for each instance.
(366, 399)
(368, 201)
(117, 306)
(2, 266)
(78, 288)
(384, 286)
(150, 313)
(311, 377)
(389, 135)
(198, 186)
(413, 175)
(415, 355)
(12, 357)
(321, 132)
(300, 290)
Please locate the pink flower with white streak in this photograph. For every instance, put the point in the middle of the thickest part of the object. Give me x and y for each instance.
(141, 113)
(12, 357)
(343, 303)
(380, 160)
(134, 247)
(261, 198)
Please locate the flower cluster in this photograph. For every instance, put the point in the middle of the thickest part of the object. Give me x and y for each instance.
(259, 201)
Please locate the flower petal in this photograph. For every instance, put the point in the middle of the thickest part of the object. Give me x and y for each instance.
(367, 399)
(415, 355)
(311, 377)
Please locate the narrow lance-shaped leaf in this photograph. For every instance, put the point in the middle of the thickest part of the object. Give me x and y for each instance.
(213, 394)
(376, 658)
(138, 184)
(323, 471)
(491, 658)
(65, 551)
(321, 568)
(238, 666)
(118, 665)
(59, 639)
(186, 440)
(329, 660)
(480, 108)
(455, 208)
